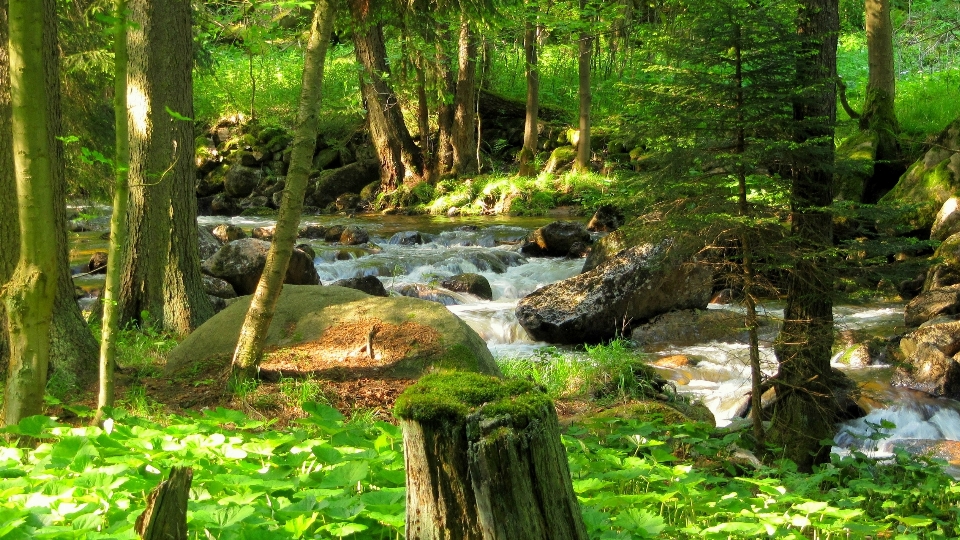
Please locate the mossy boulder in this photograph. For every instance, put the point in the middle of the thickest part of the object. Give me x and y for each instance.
(930, 181)
(471, 283)
(348, 179)
(946, 270)
(855, 164)
(323, 332)
(561, 158)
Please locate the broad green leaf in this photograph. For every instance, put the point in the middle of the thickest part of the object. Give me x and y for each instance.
(345, 474)
(344, 529)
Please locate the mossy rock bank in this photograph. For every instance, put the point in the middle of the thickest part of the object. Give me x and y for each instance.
(325, 331)
(855, 163)
(930, 181)
(670, 413)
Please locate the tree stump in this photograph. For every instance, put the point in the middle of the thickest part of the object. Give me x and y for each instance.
(484, 461)
(166, 515)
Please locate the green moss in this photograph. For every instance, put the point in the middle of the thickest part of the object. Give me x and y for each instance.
(452, 396)
(459, 357)
(259, 211)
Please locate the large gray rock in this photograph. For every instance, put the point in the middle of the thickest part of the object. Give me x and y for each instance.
(240, 181)
(630, 288)
(348, 179)
(474, 284)
(209, 244)
(241, 262)
(947, 222)
(558, 239)
(218, 287)
(931, 360)
(368, 284)
(931, 304)
(323, 332)
(691, 326)
(227, 233)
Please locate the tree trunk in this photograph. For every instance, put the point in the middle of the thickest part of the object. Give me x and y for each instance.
(531, 125)
(879, 114)
(31, 291)
(585, 64)
(445, 110)
(260, 314)
(118, 220)
(165, 517)
(807, 408)
(161, 264)
(398, 154)
(465, 106)
(479, 469)
(9, 228)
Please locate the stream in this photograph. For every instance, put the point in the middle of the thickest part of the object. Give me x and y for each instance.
(720, 374)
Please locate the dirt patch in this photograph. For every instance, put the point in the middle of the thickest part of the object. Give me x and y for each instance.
(353, 349)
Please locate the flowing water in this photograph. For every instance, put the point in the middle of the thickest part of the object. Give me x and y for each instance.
(719, 373)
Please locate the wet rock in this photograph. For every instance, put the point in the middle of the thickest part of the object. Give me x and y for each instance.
(241, 262)
(931, 360)
(474, 284)
(425, 292)
(314, 232)
(226, 233)
(368, 284)
(947, 222)
(97, 263)
(910, 288)
(406, 238)
(634, 286)
(607, 218)
(689, 327)
(224, 205)
(209, 244)
(218, 287)
(240, 181)
(347, 202)
(264, 233)
(353, 235)
(333, 233)
(255, 201)
(308, 250)
(931, 304)
(946, 271)
(557, 238)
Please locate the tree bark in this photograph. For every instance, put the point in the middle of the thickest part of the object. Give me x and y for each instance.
(445, 109)
(485, 473)
(807, 408)
(165, 517)
(260, 314)
(465, 105)
(118, 220)
(398, 154)
(585, 64)
(31, 291)
(9, 228)
(879, 113)
(161, 263)
(531, 126)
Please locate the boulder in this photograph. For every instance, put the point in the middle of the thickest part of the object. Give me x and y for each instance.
(223, 205)
(97, 263)
(324, 332)
(218, 288)
(210, 184)
(347, 202)
(219, 304)
(348, 179)
(931, 360)
(931, 304)
(209, 244)
(560, 159)
(368, 284)
(240, 181)
(264, 233)
(932, 180)
(431, 294)
(406, 238)
(856, 156)
(630, 288)
(947, 221)
(946, 271)
(333, 233)
(241, 262)
(312, 231)
(607, 218)
(353, 235)
(474, 284)
(559, 238)
(691, 326)
(308, 250)
(227, 233)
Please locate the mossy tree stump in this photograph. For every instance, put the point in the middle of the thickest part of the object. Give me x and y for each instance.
(484, 461)
(166, 515)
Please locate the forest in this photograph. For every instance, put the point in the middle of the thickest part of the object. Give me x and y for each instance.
(480, 269)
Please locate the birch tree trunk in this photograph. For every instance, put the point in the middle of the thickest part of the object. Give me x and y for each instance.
(29, 295)
(260, 314)
(484, 460)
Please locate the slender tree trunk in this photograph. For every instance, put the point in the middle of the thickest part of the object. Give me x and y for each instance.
(30, 293)
(531, 125)
(879, 113)
(260, 314)
(165, 517)
(465, 106)
(806, 409)
(118, 221)
(9, 227)
(423, 113)
(445, 110)
(585, 64)
(398, 154)
(161, 264)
